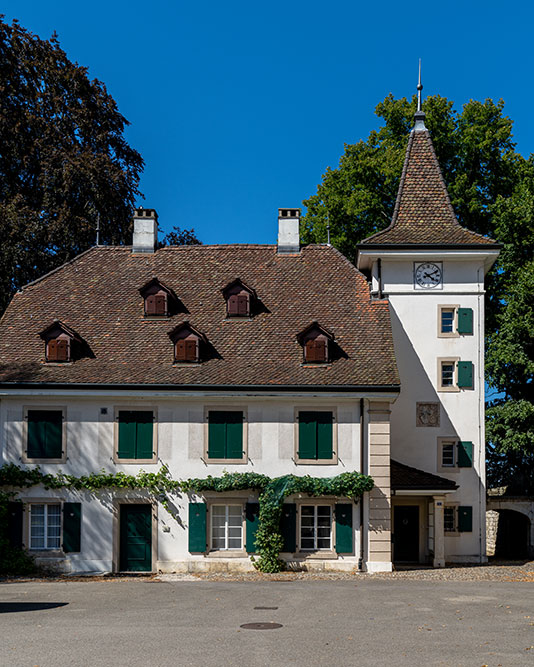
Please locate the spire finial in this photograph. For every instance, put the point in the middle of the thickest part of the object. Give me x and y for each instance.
(419, 89)
(419, 114)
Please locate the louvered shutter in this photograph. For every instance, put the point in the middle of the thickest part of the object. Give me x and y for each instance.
(14, 524)
(197, 527)
(216, 435)
(324, 435)
(160, 306)
(233, 305)
(242, 304)
(234, 435)
(127, 435)
(144, 434)
(51, 350)
(150, 304)
(180, 350)
(252, 514)
(465, 320)
(72, 527)
(309, 351)
(307, 435)
(344, 532)
(288, 527)
(44, 434)
(190, 352)
(62, 350)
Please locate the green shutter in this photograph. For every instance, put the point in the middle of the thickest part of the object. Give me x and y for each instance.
(234, 435)
(465, 519)
(197, 527)
(344, 533)
(216, 435)
(252, 514)
(288, 527)
(72, 527)
(465, 374)
(465, 320)
(144, 434)
(45, 429)
(465, 454)
(324, 435)
(127, 434)
(307, 435)
(14, 524)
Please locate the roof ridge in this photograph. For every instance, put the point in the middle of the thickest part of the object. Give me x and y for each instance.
(58, 268)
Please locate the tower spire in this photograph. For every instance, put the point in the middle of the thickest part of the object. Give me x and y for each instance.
(419, 114)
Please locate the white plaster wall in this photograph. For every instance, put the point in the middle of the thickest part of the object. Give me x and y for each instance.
(181, 430)
(414, 315)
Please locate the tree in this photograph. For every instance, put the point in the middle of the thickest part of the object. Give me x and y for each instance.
(65, 161)
(492, 192)
(179, 236)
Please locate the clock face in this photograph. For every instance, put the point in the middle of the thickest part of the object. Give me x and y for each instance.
(428, 275)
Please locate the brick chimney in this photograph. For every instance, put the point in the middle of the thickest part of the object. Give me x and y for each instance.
(145, 234)
(288, 230)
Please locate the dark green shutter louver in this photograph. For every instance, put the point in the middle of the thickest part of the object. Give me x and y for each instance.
(465, 519)
(234, 435)
(465, 320)
(145, 434)
(465, 374)
(252, 514)
(225, 434)
(465, 454)
(344, 532)
(197, 527)
(14, 524)
(307, 435)
(72, 527)
(288, 527)
(45, 429)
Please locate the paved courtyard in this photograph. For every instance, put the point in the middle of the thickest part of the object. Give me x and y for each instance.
(352, 621)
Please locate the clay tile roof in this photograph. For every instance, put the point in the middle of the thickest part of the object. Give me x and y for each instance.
(404, 478)
(423, 211)
(97, 293)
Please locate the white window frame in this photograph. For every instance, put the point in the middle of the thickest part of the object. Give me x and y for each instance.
(226, 550)
(448, 360)
(45, 505)
(315, 549)
(448, 334)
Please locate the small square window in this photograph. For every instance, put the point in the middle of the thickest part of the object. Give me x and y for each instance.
(448, 458)
(447, 373)
(449, 519)
(447, 320)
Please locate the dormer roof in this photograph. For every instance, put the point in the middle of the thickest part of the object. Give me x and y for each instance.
(57, 328)
(423, 213)
(239, 284)
(314, 329)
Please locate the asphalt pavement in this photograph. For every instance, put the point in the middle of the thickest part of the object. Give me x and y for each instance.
(357, 622)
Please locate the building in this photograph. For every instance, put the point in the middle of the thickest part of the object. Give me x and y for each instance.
(269, 359)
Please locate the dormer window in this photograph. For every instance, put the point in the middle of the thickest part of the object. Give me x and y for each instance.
(239, 299)
(62, 344)
(158, 299)
(316, 342)
(188, 343)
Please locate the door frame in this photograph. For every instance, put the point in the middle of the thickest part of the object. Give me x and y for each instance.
(422, 503)
(117, 502)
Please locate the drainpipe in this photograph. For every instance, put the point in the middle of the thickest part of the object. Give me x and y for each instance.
(362, 431)
(379, 276)
(481, 440)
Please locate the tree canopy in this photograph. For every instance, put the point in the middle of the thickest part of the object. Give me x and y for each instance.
(492, 191)
(65, 161)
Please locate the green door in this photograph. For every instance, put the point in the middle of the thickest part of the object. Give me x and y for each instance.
(135, 538)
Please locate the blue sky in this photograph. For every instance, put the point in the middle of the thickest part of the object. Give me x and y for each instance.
(238, 107)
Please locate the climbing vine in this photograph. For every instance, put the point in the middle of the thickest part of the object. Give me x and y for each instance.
(269, 541)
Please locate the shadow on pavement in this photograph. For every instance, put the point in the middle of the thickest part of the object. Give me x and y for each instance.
(13, 607)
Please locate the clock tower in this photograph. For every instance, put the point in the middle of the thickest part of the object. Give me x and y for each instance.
(431, 272)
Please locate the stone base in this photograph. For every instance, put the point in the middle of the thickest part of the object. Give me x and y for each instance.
(242, 565)
(378, 566)
(468, 560)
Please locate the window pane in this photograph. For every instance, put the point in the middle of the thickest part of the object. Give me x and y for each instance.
(307, 510)
(447, 374)
(447, 321)
(449, 519)
(323, 543)
(218, 510)
(306, 543)
(447, 454)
